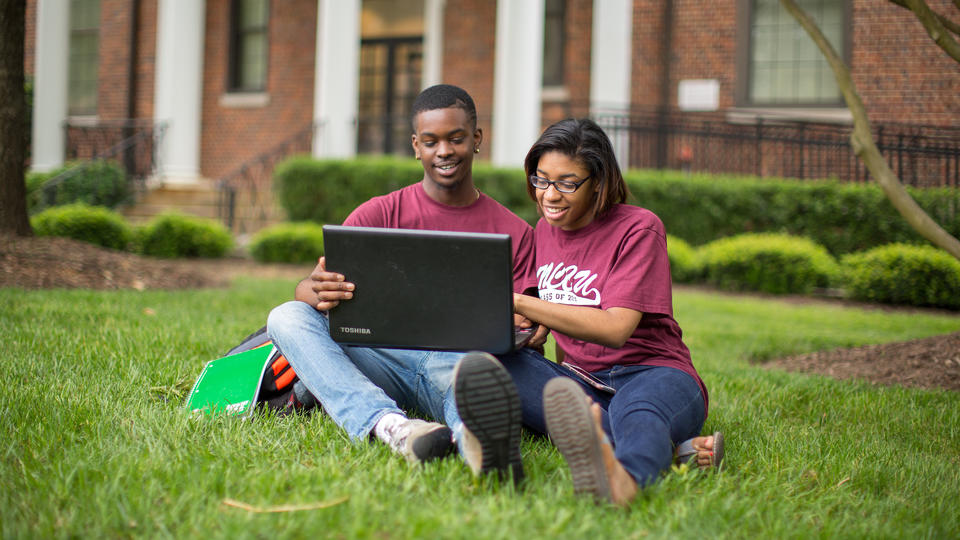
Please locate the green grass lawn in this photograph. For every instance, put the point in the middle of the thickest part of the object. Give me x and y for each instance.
(95, 442)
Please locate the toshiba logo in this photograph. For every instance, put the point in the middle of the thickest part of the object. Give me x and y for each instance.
(352, 330)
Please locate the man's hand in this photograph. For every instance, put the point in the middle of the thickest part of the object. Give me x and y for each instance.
(329, 288)
(539, 337)
(539, 334)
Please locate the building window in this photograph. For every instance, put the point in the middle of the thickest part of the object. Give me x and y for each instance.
(84, 59)
(248, 46)
(785, 67)
(553, 42)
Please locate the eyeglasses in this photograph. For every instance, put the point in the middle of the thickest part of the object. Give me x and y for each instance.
(563, 186)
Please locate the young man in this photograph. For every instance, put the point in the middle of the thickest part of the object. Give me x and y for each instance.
(366, 390)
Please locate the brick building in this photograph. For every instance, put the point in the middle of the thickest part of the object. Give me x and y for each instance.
(227, 81)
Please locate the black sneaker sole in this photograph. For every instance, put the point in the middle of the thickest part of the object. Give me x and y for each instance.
(572, 430)
(434, 445)
(489, 405)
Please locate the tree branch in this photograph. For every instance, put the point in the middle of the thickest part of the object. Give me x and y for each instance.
(946, 22)
(935, 28)
(866, 149)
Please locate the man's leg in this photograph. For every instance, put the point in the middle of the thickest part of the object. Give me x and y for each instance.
(352, 400)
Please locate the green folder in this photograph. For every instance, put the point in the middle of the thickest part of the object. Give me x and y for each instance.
(230, 385)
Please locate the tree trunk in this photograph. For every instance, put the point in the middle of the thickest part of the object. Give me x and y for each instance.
(866, 149)
(13, 110)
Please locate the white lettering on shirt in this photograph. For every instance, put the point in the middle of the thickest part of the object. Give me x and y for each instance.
(567, 284)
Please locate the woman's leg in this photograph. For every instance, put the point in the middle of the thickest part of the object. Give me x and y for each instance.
(654, 409)
(530, 371)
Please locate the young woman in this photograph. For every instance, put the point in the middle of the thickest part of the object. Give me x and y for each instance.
(626, 392)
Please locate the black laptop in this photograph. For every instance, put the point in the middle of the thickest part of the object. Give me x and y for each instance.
(420, 289)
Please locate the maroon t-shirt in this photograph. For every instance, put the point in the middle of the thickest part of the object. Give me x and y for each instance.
(412, 208)
(619, 260)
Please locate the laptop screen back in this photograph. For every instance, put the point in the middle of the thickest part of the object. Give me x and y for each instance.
(422, 289)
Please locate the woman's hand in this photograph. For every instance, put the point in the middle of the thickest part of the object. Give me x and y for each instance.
(610, 327)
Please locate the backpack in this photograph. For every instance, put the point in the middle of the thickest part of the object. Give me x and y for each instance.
(278, 376)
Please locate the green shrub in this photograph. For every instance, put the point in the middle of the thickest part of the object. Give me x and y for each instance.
(842, 217)
(326, 191)
(93, 224)
(508, 186)
(288, 242)
(96, 183)
(771, 263)
(684, 261)
(174, 235)
(903, 274)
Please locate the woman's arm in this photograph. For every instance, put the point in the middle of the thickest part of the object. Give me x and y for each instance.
(609, 327)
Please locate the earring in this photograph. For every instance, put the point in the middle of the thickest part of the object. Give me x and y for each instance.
(476, 149)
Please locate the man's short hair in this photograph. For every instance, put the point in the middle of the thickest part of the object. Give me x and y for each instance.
(443, 96)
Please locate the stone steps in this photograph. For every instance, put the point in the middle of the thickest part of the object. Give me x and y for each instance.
(203, 199)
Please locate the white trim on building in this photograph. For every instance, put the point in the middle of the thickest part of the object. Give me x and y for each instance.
(433, 11)
(517, 80)
(336, 78)
(50, 84)
(178, 88)
(610, 67)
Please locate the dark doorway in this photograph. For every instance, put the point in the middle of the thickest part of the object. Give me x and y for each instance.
(390, 71)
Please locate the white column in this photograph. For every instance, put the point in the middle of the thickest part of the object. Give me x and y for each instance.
(336, 78)
(433, 11)
(610, 67)
(50, 84)
(178, 88)
(517, 80)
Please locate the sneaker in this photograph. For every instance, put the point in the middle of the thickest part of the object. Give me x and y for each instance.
(420, 441)
(573, 432)
(489, 406)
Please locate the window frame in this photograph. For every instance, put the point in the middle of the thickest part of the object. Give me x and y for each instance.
(744, 48)
(559, 13)
(237, 34)
(76, 31)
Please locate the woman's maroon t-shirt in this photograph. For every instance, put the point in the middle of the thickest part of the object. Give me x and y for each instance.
(618, 260)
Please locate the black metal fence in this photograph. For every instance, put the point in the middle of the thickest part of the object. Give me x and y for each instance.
(131, 143)
(922, 156)
(246, 193)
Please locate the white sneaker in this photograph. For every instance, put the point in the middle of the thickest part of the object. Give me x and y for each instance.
(420, 441)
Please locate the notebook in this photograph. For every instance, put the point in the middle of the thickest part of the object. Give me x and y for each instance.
(231, 385)
(420, 289)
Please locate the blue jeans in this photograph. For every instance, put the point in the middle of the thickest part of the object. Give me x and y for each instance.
(653, 410)
(359, 385)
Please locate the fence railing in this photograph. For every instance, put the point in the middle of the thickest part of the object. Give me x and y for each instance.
(246, 200)
(131, 143)
(922, 156)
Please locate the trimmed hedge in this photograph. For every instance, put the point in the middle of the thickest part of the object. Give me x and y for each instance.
(175, 235)
(904, 274)
(326, 191)
(771, 263)
(289, 243)
(79, 221)
(685, 264)
(842, 217)
(97, 183)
